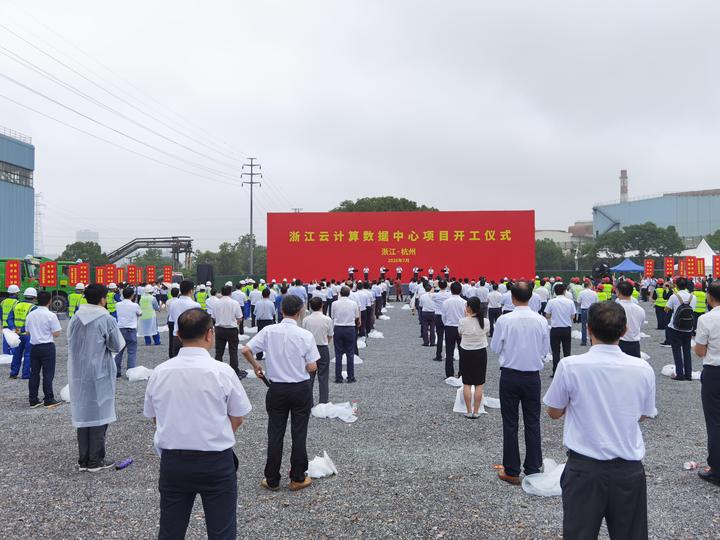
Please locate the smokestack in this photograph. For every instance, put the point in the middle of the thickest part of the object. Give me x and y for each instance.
(623, 185)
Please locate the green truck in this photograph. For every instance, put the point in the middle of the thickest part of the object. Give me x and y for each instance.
(30, 274)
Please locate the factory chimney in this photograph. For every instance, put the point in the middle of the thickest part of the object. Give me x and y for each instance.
(623, 185)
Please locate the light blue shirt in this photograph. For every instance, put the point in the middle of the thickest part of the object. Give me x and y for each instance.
(521, 339)
(299, 292)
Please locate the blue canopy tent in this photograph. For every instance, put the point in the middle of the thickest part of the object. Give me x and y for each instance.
(628, 266)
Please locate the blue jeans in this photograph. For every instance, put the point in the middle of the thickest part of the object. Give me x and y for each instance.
(21, 354)
(130, 336)
(583, 323)
(344, 342)
(155, 338)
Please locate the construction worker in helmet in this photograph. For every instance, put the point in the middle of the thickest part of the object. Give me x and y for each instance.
(16, 322)
(113, 297)
(76, 299)
(6, 306)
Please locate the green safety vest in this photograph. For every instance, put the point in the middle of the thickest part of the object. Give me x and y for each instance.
(201, 298)
(7, 306)
(20, 312)
(701, 305)
(537, 283)
(146, 307)
(635, 294)
(74, 301)
(602, 296)
(111, 302)
(607, 289)
(660, 300)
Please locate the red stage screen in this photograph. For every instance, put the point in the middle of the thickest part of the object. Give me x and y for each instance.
(312, 245)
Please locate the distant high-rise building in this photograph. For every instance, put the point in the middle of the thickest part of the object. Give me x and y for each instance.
(87, 236)
(17, 194)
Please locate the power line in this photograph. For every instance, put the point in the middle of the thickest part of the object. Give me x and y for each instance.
(252, 182)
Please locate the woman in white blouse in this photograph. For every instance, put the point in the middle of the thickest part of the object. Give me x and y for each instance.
(473, 330)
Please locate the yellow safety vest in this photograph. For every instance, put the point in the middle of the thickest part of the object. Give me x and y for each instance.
(7, 306)
(660, 300)
(635, 294)
(201, 298)
(602, 296)
(111, 302)
(20, 313)
(146, 307)
(607, 289)
(701, 305)
(74, 302)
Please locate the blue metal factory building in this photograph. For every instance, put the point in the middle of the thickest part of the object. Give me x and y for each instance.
(17, 194)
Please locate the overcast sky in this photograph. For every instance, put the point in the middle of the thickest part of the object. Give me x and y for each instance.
(464, 105)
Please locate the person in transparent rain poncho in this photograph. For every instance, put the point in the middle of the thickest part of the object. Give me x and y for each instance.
(147, 325)
(93, 340)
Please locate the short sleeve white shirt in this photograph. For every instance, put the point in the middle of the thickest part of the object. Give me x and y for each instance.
(674, 302)
(345, 311)
(587, 298)
(453, 309)
(178, 307)
(40, 324)
(227, 312)
(494, 299)
(561, 310)
(128, 313)
(427, 303)
(288, 349)
(635, 316)
(320, 326)
(708, 333)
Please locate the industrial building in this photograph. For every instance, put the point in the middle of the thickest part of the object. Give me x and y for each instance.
(693, 213)
(17, 194)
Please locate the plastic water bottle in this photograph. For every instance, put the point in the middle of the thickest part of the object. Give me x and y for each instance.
(354, 405)
(124, 464)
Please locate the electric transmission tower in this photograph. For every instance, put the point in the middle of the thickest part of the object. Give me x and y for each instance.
(252, 182)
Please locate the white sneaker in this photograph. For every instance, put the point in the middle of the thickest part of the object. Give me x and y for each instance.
(104, 465)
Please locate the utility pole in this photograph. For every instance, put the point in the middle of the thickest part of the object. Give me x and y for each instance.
(252, 174)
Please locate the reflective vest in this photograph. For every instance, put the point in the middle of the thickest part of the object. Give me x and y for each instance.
(602, 296)
(201, 298)
(607, 289)
(701, 305)
(635, 293)
(111, 302)
(74, 301)
(7, 306)
(660, 301)
(20, 313)
(146, 307)
(537, 283)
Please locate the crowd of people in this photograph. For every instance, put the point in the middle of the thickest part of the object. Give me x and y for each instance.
(197, 401)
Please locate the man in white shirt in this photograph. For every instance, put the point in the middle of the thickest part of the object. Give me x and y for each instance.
(604, 394)
(586, 298)
(681, 306)
(544, 295)
(43, 326)
(228, 317)
(291, 359)
(439, 299)
(322, 329)
(453, 309)
(179, 306)
(255, 296)
(561, 312)
(346, 318)
(494, 306)
(707, 347)
(197, 405)
(507, 302)
(427, 308)
(635, 315)
(521, 342)
(127, 313)
(366, 272)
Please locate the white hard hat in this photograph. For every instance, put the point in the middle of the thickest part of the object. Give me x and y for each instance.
(13, 289)
(30, 292)
(80, 287)
(112, 286)
(262, 281)
(228, 283)
(274, 281)
(243, 282)
(208, 283)
(284, 280)
(175, 286)
(201, 287)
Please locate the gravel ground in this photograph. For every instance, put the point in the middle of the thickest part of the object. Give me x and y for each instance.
(408, 468)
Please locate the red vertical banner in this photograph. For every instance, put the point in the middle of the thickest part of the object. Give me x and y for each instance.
(691, 266)
(119, 275)
(682, 268)
(12, 273)
(83, 273)
(700, 266)
(110, 273)
(649, 267)
(48, 274)
(132, 274)
(167, 274)
(100, 275)
(73, 273)
(716, 266)
(150, 273)
(140, 275)
(669, 266)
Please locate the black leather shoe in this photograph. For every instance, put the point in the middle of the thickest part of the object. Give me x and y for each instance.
(351, 380)
(339, 381)
(709, 475)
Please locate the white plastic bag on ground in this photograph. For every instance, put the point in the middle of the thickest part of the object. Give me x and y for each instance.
(406, 306)
(669, 371)
(384, 318)
(374, 334)
(11, 338)
(576, 334)
(65, 393)
(320, 467)
(459, 406)
(358, 360)
(383, 310)
(644, 356)
(547, 483)
(456, 354)
(250, 374)
(547, 358)
(140, 373)
(454, 381)
(5, 359)
(251, 330)
(163, 329)
(243, 337)
(644, 335)
(389, 306)
(343, 411)
(361, 344)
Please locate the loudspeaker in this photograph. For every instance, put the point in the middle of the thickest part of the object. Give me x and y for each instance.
(205, 273)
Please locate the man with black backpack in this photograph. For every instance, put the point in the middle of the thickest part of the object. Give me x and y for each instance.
(680, 328)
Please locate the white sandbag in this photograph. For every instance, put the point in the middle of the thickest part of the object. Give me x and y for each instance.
(644, 335)
(361, 344)
(11, 338)
(644, 356)
(383, 310)
(321, 467)
(375, 334)
(251, 330)
(65, 393)
(5, 359)
(454, 381)
(389, 306)
(384, 318)
(576, 334)
(250, 374)
(692, 343)
(406, 306)
(459, 406)
(669, 371)
(243, 337)
(547, 358)
(162, 329)
(358, 360)
(343, 411)
(139, 373)
(546, 483)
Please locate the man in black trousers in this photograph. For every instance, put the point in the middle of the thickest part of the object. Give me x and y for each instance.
(603, 394)
(520, 341)
(197, 403)
(291, 357)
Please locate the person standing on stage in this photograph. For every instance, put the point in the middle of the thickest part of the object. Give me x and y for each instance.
(520, 341)
(603, 394)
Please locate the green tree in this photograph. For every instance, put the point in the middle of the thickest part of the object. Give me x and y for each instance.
(233, 258)
(89, 252)
(610, 245)
(714, 240)
(649, 239)
(549, 255)
(382, 204)
(152, 257)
